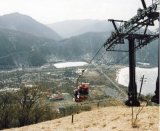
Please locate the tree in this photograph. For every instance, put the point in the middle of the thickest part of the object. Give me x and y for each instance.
(26, 99)
(23, 107)
(6, 106)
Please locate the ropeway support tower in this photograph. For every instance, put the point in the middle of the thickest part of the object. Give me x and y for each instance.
(129, 30)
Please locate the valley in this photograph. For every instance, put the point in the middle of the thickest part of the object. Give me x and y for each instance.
(62, 80)
(46, 69)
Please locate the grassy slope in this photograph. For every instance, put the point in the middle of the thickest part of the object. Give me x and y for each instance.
(104, 119)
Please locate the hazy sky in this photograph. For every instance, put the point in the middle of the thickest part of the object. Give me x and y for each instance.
(50, 11)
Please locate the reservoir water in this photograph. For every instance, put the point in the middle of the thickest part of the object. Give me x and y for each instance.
(150, 75)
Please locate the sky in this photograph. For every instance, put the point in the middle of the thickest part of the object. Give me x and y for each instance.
(51, 11)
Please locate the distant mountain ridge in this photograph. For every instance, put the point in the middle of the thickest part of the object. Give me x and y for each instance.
(71, 28)
(24, 23)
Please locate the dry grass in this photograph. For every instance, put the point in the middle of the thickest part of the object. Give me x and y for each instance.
(117, 118)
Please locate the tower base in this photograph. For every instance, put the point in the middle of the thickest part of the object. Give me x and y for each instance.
(132, 103)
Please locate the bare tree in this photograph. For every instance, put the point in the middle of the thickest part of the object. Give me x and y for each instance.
(6, 115)
(27, 99)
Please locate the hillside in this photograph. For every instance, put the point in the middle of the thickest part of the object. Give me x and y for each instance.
(22, 49)
(27, 24)
(84, 47)
(16, 48)
(105, 119)
(81, 47)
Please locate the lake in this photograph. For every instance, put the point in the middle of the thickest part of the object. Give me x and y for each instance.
(150, 75)
(70, 64)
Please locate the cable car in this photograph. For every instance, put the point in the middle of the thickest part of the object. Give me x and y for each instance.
(82, 92)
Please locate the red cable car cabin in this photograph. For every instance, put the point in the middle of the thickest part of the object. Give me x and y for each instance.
(81, 94)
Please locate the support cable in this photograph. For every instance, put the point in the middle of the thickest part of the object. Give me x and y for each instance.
(77, 81)
(93, 58)
(107, 77)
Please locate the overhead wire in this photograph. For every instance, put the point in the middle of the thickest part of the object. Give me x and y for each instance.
(77, 81)
(122, 92)
(109, 66)
(93, 57)
(107, 77)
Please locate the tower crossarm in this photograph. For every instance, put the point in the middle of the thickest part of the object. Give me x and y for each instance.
(144, 17)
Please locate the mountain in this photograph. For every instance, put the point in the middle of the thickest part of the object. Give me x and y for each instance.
(77, 27)
(147, 54)
(81, 47)
(85, 46)
(22, 49)
(24, 23)
(21, 46)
